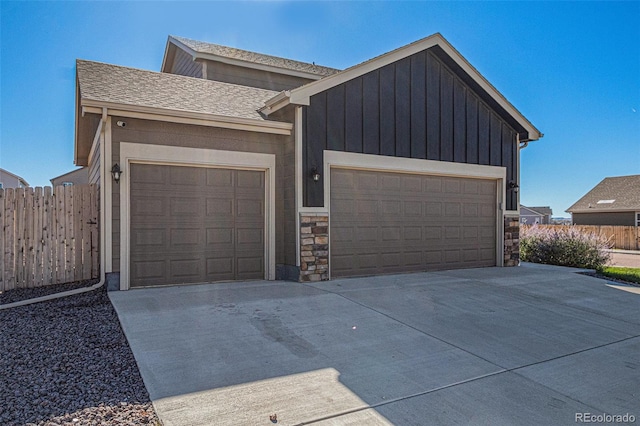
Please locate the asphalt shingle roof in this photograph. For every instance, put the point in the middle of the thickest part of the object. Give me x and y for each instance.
(613, 193)
(116, 84)
(257, 58)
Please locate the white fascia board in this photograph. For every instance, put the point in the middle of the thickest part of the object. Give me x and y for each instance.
(178, 44)
(188, 117)
(302, 95)
(619, 210)
(277, 102)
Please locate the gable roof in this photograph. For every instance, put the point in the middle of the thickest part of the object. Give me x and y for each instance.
(302, 95)
(103, 84)
(247, 59)
(621, 193)
(545, 211)
(20, 179)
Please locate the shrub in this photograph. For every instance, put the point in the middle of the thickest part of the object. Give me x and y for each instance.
(563, 246)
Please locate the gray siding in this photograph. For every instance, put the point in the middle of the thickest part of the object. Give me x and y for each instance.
(612, 218)
(160, 133)
(183, 64)
(252, 77)
(417, 107)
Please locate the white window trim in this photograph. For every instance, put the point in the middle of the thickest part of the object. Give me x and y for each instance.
(349, 160)
(171, 155)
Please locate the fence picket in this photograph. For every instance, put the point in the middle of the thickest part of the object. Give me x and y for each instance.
(43, 236)
(48, 245)
(2, 241)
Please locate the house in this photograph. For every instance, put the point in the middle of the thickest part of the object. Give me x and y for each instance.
(10, 180)
(532, 215)
(74, 177)
(235, 165)
(614, 201)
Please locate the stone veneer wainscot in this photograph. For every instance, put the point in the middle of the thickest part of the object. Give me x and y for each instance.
(511, 241)
(314, 247)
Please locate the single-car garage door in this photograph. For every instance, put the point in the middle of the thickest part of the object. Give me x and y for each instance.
(384, 222)
(194, 224)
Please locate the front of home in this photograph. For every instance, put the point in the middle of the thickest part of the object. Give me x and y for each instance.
(237, 165)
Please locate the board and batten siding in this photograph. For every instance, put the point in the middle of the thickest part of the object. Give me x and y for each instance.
(183, 64)
(416, 107)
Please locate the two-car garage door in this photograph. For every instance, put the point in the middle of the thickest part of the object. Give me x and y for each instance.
(195, 224)
(383, 222)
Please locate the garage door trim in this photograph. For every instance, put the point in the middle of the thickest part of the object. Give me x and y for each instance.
(348, 160)
(194, 157)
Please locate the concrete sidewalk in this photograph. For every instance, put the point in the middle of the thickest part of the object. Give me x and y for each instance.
(528, 345)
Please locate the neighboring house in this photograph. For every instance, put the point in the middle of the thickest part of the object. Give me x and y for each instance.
(9, 180)
(250, 166)
(74, 177)
(614, 201)
(533, 215)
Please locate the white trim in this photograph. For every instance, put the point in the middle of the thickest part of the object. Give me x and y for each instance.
(302, 95)
(108, 200)
(188, 117)
(171, 155)
(298, 176)
(353, 161)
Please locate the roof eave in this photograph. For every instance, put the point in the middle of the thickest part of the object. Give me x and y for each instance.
(302, 95)
(596, 210)
(239, 62)
(185, 116)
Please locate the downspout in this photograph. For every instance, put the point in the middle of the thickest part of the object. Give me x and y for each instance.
(100, 283)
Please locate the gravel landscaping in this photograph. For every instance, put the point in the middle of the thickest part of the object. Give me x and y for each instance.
(67, 362)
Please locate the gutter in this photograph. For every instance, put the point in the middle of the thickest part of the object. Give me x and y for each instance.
(100, 283)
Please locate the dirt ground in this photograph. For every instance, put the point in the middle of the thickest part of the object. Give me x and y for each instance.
(628, 259)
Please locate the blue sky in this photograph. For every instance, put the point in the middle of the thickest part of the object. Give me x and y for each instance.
(572, 68)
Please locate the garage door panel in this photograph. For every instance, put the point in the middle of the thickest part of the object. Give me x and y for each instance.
(428, 223)
(195, 224)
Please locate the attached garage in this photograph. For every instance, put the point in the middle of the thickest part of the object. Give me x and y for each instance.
(385, 222)
(195, 215)
(196, 224)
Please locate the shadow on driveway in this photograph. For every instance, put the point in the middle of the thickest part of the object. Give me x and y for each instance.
(527, 345)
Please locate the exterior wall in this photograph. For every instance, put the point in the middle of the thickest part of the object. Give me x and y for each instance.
(183, 64)
(314, 247)
(171, 134)
(612, 218)
(415, 108)
(76, 177)
(8, 180)
(511, 241)
(252, 77)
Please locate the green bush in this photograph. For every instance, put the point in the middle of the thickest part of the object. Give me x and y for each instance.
(563, 246)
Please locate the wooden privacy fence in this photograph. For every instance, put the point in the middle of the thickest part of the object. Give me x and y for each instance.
(48, 237)
(621, 237)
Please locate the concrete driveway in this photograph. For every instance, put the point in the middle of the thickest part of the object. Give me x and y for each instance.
(528, 345)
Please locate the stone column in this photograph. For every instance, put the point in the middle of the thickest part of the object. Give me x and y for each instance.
(511, 241)
(314, 247)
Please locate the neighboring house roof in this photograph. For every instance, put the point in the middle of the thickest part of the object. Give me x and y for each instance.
(545, 211)
(301, 95)
(200, 49)
(20, 179)
(620, 193)
(103, 84)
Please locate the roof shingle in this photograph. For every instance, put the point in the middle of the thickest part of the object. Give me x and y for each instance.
(613, 193)
(129, 86)
(257, 58)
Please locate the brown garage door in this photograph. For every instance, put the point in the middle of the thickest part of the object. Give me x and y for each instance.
(392, 222)
(193, 224)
